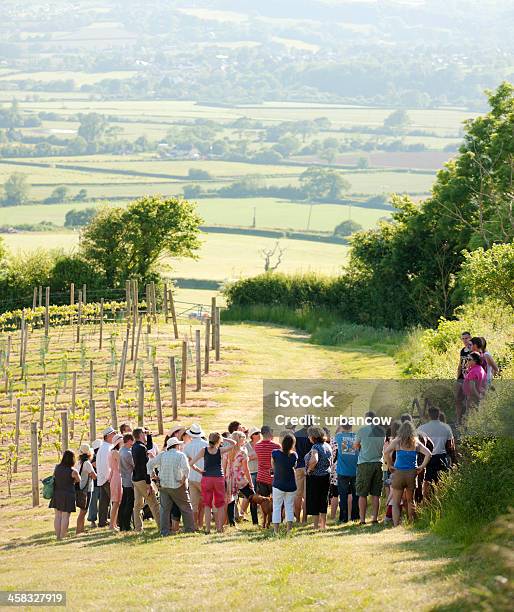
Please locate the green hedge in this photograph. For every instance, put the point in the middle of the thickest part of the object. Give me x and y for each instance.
(290, 290)
(348, 297)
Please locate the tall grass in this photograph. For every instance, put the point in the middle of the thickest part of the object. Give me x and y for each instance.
(474, 494)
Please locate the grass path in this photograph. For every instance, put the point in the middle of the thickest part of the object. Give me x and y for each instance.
(369, 567)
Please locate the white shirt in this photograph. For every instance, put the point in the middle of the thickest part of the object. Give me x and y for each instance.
(103, 469)
(439, 433)
(191, 449)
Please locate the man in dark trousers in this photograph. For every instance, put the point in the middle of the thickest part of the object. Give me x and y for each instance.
(143, 489)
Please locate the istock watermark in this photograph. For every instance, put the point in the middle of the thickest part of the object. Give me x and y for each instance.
(331, 403)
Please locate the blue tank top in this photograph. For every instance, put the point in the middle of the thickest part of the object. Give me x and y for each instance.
(212, 463)
(405, 459)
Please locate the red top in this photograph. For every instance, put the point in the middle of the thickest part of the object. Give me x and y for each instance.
(263, 450)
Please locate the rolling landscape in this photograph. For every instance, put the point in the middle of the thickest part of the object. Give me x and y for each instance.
(199, 195)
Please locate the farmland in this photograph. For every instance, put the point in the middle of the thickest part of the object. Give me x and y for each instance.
(221, 257)
(88, 130)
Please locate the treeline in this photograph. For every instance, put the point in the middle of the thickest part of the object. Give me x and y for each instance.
(98, 133)
(415, 269)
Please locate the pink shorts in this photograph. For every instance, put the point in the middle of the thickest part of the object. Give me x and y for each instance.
(213, 489)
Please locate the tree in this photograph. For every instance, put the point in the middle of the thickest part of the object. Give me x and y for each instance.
(362, 163)
(93, 127)
(397, 120)
(129, 243)
(287, 145)
(404, 271)
(59, 194)
(306, 128)
(347, 228)
(267, 156)
(192, 191)
(16, 189)
(276, 252)
(328, 155)
(79, 218)
(197, 174)
(323, 184)
(81, 196)
(489, 273)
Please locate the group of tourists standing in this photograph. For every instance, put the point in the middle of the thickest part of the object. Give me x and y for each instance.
(123, 479)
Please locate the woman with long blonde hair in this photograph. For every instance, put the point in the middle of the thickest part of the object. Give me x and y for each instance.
(405, 468)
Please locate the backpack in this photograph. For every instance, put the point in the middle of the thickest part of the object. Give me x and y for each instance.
(48, 487)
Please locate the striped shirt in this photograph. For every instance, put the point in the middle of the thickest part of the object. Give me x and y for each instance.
(263, 450)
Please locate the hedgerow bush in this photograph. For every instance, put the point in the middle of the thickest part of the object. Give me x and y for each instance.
(290, 290)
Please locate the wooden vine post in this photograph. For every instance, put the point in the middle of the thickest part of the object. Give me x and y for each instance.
(183, 375)
(136, 352)
(84, 293)
(165, 303)
(121, 373)
(101, 338)
(198, 360)
(34, 300)
(213, 323)
(207, 345)
(34, 464)
(114, 412)
(72, 294)
(40, 296)
(47, 311)
(73, 403)
(135, 314)
(79, 316)
(173, 314)
(91, 379)
(218, 326)
(128, 288)
(173, 387)
(141, 403)
(158, 403)
(22, 339)
(64, 431)
(42, 410)
(17, 435)
(92, 420)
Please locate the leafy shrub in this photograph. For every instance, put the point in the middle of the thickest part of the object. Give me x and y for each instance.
(433, 353)
(489, 273)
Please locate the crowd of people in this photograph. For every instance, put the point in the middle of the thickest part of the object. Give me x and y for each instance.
(124, 479)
